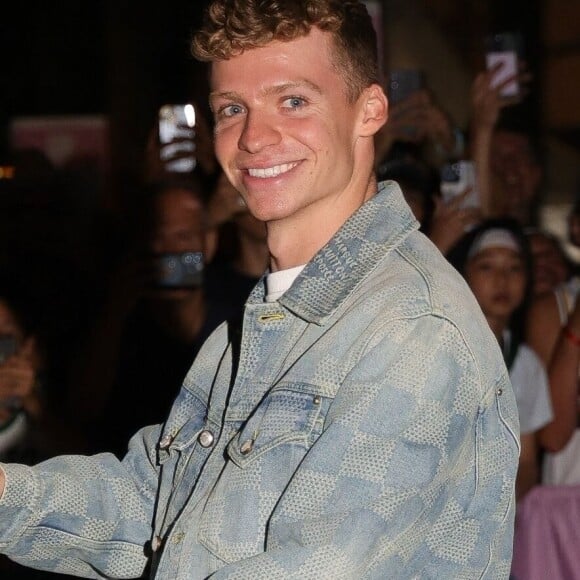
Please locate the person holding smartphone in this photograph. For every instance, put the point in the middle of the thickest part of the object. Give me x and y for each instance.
(506, 154)
(416, 119)
(156, 316)
(363, 424)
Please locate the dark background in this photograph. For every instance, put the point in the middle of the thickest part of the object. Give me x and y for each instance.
(122, 59)
(126, 58)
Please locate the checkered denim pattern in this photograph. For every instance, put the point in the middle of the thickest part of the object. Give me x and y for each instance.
(370, 431)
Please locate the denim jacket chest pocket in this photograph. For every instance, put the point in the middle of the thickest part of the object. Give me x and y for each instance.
(285, 416)
(262, 458)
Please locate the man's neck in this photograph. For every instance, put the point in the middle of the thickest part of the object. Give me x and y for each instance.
(295, 241)
(288, 250)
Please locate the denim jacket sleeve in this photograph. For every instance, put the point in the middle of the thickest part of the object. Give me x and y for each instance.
(413, 476)
(87, 516)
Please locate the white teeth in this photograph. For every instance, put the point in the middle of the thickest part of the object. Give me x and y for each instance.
(272, 171)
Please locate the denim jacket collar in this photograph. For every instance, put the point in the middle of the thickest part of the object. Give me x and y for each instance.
(377, 227)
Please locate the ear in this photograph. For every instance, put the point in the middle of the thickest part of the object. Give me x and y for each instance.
(374, 110)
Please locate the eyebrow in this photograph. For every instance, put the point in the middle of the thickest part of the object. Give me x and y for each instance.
(273, 90)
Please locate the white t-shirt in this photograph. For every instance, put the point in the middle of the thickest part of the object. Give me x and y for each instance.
(531, 388)
(278, 282)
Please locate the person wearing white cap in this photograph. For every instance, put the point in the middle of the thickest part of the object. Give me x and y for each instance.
(495, 261)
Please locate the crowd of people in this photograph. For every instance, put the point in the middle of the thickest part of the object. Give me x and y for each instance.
(132, 335)
(96, 342)
(520, 274)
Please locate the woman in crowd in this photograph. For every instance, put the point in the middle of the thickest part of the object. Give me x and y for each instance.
(495, 260)
(553, 331)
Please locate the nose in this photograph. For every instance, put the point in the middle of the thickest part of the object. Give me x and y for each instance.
(258, 132)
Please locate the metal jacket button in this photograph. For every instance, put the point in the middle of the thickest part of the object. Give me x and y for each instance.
(165, 442)
(246, 447)
(206, 438)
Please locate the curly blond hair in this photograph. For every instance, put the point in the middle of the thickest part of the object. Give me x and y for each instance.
(233, 26)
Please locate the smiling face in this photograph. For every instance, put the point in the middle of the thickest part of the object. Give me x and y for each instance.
(179, 224)
(178, 227)
(287, 136)
(497, 278)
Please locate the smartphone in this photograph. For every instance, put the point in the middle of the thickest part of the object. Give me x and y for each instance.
(456, 178)
(403, 83)
(184, 270)
(176, 134)
(8, 346)
(504, 48)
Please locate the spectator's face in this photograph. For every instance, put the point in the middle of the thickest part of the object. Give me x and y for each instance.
(497, 278)
(179, 223)
(179, 226)
(516, 176)
(550, 268)
(286, 135)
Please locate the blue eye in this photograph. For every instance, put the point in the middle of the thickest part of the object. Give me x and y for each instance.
(232, 110)
(294, 102)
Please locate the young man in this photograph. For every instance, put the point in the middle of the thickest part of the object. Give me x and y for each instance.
(364, 425)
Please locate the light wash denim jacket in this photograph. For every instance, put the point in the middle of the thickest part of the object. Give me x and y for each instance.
(362, 427)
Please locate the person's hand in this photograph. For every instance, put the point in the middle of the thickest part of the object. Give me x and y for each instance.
(17, 382)
(408, 118)
(406, 123)
(486, 99)
(158, 156)
(450, 221)
(414, 120)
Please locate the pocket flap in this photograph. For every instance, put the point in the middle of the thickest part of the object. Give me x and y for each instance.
(283, 416)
